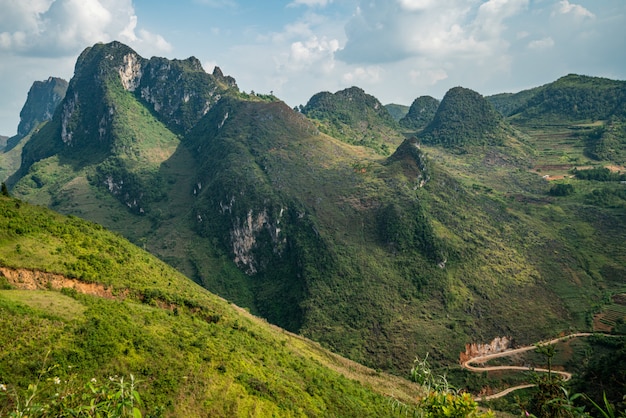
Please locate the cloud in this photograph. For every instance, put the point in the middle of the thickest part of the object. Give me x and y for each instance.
(540, 44)
(386, 31)
(565, 7)
(64, 27)
(369, 75)
(310, 3)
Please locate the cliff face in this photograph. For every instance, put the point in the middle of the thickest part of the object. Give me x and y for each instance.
(497, 345)
(43, 99)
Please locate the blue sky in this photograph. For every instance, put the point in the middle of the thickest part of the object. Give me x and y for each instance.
(395, 50)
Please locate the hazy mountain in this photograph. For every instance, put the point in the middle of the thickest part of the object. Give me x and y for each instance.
(329, 222)
(397, 111)
(43, 99)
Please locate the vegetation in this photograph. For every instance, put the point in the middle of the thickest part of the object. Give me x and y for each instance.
(420, 114)
(464, 117)
(355, 117)
(116, 311)
(301, 218)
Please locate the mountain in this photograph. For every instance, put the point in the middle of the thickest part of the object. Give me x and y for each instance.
(443, 238)
(354, 117)
(41, 103)
(397, 111)
(421, 112)
(43, 99)
(464, 117)
(85, 314)
(3, 142)
(570, 98)
(576, 99)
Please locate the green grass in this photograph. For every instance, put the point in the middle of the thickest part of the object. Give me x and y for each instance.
(45, 302)
(192, 352)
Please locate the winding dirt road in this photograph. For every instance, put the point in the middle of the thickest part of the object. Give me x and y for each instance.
(471, 364)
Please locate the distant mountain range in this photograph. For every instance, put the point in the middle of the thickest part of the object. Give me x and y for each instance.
(380, 236)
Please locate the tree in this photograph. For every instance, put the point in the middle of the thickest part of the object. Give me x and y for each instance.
(5, 190)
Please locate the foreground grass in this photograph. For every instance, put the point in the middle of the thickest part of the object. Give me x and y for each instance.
(192, 352)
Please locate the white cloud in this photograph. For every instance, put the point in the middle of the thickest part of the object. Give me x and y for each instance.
(428, 77)
(310, 3)
(369, 75)
(387, 31)
(565, 7)
(65, 27)
(304, 54)
(540, 44)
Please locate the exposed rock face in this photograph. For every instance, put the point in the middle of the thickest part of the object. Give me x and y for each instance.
(244, 238)
(498, 345)
(130, 72)
(43, 99)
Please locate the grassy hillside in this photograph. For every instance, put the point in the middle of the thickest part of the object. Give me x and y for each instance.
(101, 307)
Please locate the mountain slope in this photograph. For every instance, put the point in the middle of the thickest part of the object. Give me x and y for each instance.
(355, 117)
(571, 98)
(105, 308)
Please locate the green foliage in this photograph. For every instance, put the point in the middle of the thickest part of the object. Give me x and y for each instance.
(52, 397)
(608, 141)
(561, 189)
(574, 98)
(463, 118)
(397, 111)
(420, 114)
(599, 174)
(441, 400)
(355, 117)
(150, 321)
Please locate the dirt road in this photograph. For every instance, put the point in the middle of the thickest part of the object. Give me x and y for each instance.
(471, 364)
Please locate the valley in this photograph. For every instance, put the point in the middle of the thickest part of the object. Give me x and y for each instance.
(380, 236)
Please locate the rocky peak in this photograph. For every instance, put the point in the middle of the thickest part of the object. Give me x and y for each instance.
(43, 99)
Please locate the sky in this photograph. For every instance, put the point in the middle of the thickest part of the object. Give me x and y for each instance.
(395, 50)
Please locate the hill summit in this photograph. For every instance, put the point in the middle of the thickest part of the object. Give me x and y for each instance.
(354, 117)
(464, 117)
(421, 112)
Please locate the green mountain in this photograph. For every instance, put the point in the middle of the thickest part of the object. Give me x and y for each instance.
(576, 99)
(354, 117)
(83, 311)
(420, 114)
(453, 238)
(464, 117)
(570, 98)
(397, 111)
